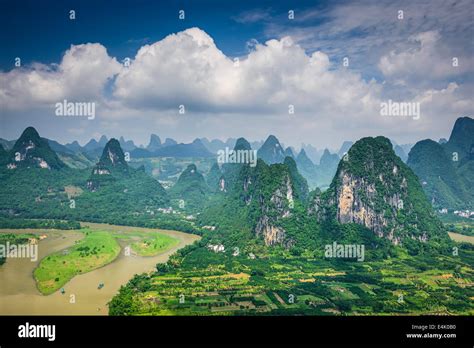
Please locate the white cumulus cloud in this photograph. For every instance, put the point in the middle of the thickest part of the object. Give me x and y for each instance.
(226, 97)
(82, 74)
(187, 68)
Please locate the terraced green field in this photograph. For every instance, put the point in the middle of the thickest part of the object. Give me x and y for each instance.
(238, 285)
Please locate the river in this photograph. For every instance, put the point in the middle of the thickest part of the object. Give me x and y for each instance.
(19, 295)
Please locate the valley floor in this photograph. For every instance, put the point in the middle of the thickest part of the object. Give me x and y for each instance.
(284, 285)
(209, 283)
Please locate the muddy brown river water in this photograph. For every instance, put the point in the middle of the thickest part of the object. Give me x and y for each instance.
(19, 295)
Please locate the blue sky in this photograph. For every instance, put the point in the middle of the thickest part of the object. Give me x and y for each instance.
(44, 29)
(282, 62)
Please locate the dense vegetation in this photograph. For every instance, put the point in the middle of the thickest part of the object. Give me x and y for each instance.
(391, 189)
(247, 277)
(264, 236)
(198, 281)
(191, 189)
(447, 170)
(45, 224)
(439, 176)
(12, 238)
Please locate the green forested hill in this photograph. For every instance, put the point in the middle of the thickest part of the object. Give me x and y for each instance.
(191, 188)
(30, 150)
(447, 170)
(110, 192)
(265, 253)
(264, 236)
(373, 187)
(438, 175)
(462, 137)
(213, 177)
(3, 156)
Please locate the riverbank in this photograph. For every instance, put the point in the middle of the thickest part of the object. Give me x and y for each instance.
(19, 294)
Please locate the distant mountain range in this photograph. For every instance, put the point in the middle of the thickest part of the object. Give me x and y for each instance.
(370, 186)
(265, 215)
(81, 156)
(444, 167)
(272, 202)
(344, 148)
(195, 149)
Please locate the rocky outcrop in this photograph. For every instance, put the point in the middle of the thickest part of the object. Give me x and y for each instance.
(113, 156)
(230, 171)
(374, 188)
(111, 162)
(273, 206)
(213, 177)
(32, 151)
(222, 186)
(272, 235)
(271, 151)
(355, 204)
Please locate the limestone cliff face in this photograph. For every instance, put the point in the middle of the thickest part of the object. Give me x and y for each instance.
(272, 235)
(32, 151)
(222, 186)
(316, 205)
(374, 188)
(355, 200)
(112, 155)
(95, 181)
(112, 161)
(268, 192)
(277, 208)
